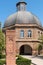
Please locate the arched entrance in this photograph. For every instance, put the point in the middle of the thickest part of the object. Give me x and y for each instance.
(25, 50)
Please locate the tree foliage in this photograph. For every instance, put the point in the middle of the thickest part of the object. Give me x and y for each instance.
(40, 46)
(2, 41)
(41, 39)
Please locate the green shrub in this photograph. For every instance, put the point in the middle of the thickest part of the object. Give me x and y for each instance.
(2, 62)
(22, 61)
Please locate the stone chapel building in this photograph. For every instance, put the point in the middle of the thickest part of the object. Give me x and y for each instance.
(27, 29)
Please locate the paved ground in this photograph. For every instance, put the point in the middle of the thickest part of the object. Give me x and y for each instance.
(36, 60)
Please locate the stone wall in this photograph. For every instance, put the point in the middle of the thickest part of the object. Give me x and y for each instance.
(10, 47)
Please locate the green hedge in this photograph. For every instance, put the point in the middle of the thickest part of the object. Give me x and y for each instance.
(2, 62)
(22, 61)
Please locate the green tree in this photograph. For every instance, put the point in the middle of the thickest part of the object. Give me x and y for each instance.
(41, 39)
(2, 41)
(40, 46)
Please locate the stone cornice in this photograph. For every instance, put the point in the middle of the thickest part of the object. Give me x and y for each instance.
(28, 40)
(23, 25)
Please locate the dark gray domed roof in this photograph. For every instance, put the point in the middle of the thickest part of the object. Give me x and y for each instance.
(22, 17)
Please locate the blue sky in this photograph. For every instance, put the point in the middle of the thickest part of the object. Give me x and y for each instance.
(8, 7)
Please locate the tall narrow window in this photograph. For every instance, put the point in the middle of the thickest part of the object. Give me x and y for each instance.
(29, 33)
(21, 33)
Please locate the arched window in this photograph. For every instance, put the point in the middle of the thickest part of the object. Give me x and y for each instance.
(21, 33)
(29, 33)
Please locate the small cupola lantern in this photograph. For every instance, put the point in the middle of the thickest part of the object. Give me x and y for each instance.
(21, 6)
